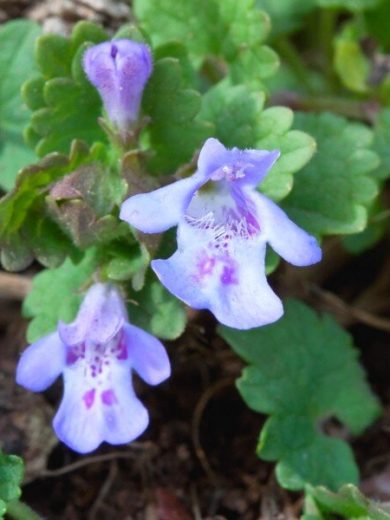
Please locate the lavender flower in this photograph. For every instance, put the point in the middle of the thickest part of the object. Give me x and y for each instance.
(223, 227)
(95, 354)
(119, 70)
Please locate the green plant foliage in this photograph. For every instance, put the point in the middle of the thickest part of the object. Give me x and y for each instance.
(286, 15)
(352, 66)
(11, 475)
(377, 23)
(126, 260)
(332, 194)
(57, 294)
(16, 66)
(350, 5)
(66, 106)
(348, 503)
(381, 144)
(229, 31)
(156, 310)
(173, 132)
(30, 227)
(303, 370)
(240, 120)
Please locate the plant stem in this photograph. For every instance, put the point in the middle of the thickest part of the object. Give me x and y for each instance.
(293, 59)
(20, 511)
(328, 19)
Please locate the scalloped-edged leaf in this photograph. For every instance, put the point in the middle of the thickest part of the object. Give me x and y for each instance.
(65, 104)
(16, 66)
(332, 194)
(28, 216)
(240, 120)
(230, 31)
(302, 370)
(348, 503)
(174, 133)
(11, 475)
(156, 310)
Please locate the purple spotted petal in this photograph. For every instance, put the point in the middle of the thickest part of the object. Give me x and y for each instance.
(119, 70)
(161, 209)
(290, 241)
(100, 317)
(91, 414)
(41, 363)
(147, 355)
(125, 417)
(233, 287)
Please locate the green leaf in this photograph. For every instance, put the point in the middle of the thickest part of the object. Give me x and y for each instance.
(302, 370)
(377, 226)
(240, 120)
(16, 66)
(332, 194)
(66, 106)
(348, 503)
(11, 475)
(233, 32)
(350, 5)
(381, 144)
(127, 260)
(57, 294)
(27, 228)
(82, 201)
(352, 66)
(173, 132)
(157, 311)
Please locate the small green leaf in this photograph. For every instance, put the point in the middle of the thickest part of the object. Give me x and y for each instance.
(24, 212)
(232, 32)
(157, 311)
(66, 106)
(240, 120)
(16, 66)
(127, 261)
(56, 295)
(348, 503)
(11, 475)
(332, 194)
(352, 66)
(302, 370)
(173, 132)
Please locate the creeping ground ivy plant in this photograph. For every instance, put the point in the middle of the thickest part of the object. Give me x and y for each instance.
(204, 117)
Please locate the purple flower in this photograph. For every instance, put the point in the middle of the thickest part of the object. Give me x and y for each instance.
(224, 224)
(119, 70)
(95, 354)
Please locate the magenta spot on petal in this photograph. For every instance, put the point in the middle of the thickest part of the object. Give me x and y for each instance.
(73, 354)
(108, 397)
(206, 265)
(89, 398)
(228, 275)
(122, 351)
